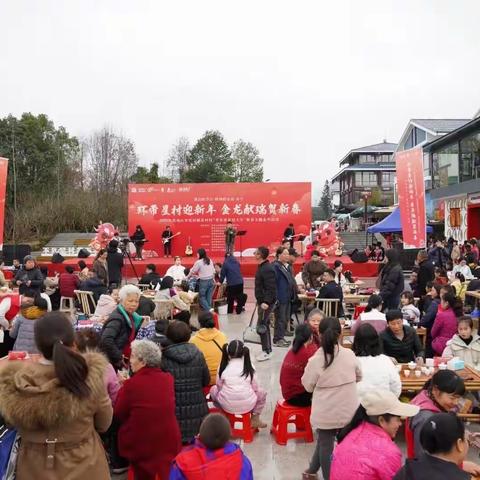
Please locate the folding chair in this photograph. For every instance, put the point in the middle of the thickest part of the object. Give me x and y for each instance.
(87, 302)
(329, 306)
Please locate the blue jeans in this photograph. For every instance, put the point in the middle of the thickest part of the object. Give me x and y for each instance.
(205, 293)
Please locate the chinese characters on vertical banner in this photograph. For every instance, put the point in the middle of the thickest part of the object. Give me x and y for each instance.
(3, 189)
(411, 197)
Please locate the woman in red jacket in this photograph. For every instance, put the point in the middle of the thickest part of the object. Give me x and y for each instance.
(293, 367)
(149, 436)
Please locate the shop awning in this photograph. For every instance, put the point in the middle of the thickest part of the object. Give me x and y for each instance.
(391, 224)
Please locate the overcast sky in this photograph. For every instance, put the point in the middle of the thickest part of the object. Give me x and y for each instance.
(304, 81)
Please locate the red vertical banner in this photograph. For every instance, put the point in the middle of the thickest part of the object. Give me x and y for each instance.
(411, 197)
(3, 189)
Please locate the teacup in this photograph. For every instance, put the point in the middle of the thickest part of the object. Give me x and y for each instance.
(412, 365)
(418, 373)
(442, 366)
(429, 362)
(406, 373)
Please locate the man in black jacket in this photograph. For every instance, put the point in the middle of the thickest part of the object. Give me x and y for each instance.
(114, 263)
(333, 290)
(29, 277)
(266, 296)
(150, 277)
(400, 341)
(426, 272)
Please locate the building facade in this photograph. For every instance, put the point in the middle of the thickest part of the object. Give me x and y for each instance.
(453, 163)
(366, 169)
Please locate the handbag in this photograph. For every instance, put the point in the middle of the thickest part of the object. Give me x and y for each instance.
(250, 334)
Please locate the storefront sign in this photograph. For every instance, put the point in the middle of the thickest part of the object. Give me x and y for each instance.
(411, 197)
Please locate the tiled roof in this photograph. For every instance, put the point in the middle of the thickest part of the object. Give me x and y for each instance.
(384, 147)
(440, 125)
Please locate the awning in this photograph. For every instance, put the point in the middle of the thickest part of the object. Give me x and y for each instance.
(391, 224)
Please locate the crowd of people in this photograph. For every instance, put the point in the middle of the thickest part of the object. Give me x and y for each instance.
(101, 400)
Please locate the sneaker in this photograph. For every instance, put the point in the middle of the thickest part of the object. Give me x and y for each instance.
(119, 470)
(263, 356)
(282, 343)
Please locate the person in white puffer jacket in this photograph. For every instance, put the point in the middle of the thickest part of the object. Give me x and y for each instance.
(465, 344)
(378, 370)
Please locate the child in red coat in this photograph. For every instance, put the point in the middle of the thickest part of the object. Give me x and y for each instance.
(212, 455)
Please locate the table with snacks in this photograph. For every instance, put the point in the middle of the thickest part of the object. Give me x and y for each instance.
(413, 378)
(347, 333)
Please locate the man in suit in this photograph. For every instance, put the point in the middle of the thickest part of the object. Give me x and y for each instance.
(266, 296)
(332, 289)
(286, 287)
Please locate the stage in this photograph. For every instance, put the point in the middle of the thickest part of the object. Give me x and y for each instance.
(248, 265)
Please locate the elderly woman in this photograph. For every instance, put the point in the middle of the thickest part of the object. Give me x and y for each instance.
(187, 365)
(149, 436)
(122, 326)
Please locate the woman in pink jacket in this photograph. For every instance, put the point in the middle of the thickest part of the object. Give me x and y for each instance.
(236, 390)
(445, 325)
(365, 448)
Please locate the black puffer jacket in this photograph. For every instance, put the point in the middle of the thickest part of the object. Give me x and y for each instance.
(34, 276)
(392, 284)
(265, 284)
(187, 365)
(114, 264)
(114, 337)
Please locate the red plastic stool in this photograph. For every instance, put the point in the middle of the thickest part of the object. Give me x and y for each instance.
(285, 414)
(246, 432)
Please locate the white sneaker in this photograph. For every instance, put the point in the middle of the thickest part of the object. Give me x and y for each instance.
(263, 356)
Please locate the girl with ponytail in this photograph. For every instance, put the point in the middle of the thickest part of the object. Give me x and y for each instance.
(331, 375)
(237, 390)
(57, 404)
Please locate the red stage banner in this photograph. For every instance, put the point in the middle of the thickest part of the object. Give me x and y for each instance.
(3, 189)
(200, 211)
(411, 197)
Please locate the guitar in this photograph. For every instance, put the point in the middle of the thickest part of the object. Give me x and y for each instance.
(189, 249)
(167, 239)
(291, 237)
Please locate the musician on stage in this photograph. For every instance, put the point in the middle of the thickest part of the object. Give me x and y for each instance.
(167, 235)
(289, 234)
(230, 234)
(138, 239)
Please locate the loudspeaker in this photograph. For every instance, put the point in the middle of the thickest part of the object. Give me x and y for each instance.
(10, 252)
(358, 257)
(57, 258)
(83, 253)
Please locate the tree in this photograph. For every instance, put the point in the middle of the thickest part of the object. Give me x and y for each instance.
(177, 159)
(145, 175)
(248, 165)
(111, 161)
(376, 199)
(209, 160)
(325, 202)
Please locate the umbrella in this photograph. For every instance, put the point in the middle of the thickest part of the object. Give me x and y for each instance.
(360, 211)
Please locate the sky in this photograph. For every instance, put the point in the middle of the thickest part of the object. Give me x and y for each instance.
(304, 81)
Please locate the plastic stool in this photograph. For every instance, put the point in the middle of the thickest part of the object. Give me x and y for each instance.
(246, 432)
(66, 304)
(285, 414)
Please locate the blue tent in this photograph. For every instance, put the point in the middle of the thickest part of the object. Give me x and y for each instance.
(392, 223)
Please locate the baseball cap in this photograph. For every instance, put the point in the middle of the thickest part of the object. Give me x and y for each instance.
(379, 402)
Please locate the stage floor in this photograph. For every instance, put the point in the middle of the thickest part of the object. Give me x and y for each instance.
(248, 265)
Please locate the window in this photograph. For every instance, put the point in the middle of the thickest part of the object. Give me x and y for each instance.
(420, 135)
(445, 166)
(455, 217)
(470, 158)
(366, 158)
(387, 179)
(366, 179)
(409, 141)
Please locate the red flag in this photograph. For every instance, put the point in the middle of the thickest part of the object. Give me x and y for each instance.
(3, 189)
(411, 197)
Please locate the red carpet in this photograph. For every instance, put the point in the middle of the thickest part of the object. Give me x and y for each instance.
(249, 266)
